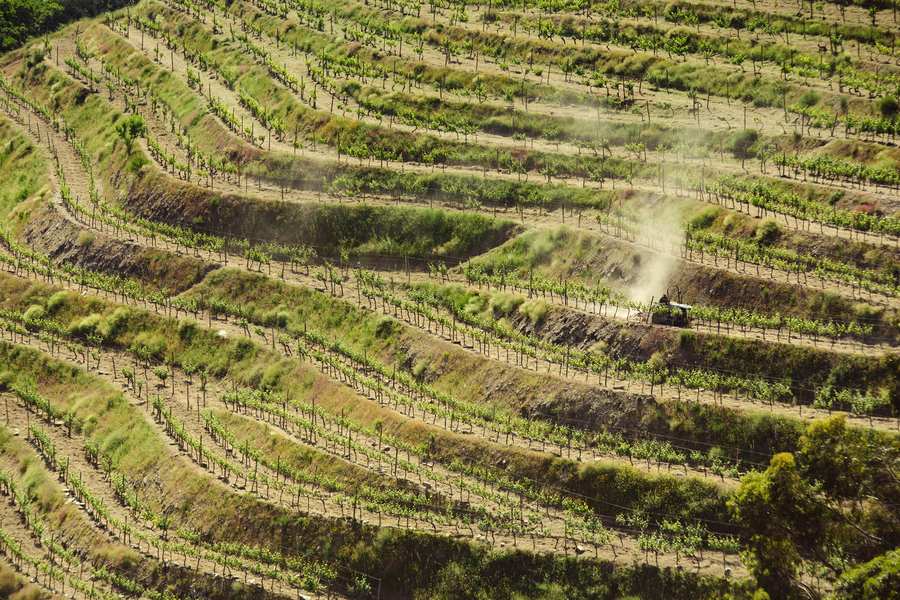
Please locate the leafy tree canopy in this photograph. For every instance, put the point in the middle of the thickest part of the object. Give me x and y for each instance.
(22, 19)
(833, 503)
(878, 579)
(129, 129)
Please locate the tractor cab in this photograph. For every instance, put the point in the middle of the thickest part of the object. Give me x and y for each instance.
(666, 312)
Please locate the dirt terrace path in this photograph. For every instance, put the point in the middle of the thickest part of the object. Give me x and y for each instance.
(72, 162)
(214, 86)
(627, 385)
(77, 178)
(12, 522)
(145, 540)
(763, 118)
(626, 544)
(740, 268)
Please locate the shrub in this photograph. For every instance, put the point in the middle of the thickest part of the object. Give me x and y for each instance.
(57, 300)
(113, 324)
(130, 129)
(888, 107)
(767, 232)
(535, 310)
(686, 339)
(85, 238)
(149, 345)
(6, 379)
(86, 326)
(742, 143)
(419, 369)
(34, 312)
(186, 331)
(385, 327)
(503, 304)
(866, 312)
(706, 218)
(808, 99)
(35, 58)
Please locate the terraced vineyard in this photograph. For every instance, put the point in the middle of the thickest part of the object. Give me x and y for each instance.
(361, 299)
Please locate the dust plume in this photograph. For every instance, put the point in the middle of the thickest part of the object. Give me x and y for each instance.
(659, 228)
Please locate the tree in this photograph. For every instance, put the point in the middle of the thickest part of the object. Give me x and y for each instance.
(830, 505)
(21, 19)
(829, 456)
(129, 129)
(848, 462)
(878, 579)
(888, 107)
(781, 517)
(742, 144)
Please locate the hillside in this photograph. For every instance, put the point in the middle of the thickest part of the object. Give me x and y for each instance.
(363, 299)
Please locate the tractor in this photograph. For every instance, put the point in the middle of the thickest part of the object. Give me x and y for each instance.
(666, 312)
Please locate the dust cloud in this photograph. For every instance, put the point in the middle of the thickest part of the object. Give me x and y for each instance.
(660, 230)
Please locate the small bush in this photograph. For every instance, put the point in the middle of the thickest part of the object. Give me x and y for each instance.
(113, 324)
(767, 232)
(276, 318)
(86, 326)
(866, 312)
(6, 379)
(706, 218)
(57, 300)
(687, 339)
(535, 310)
(809, 99)
(419, 369)
(186, 331)
(385, 327)
(503, 304)
(475, 304)
(149, 345)
(657, 361)
(888, 107)
(35, 58)
(742, 143)
(34, 312)
(85, 238)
